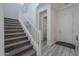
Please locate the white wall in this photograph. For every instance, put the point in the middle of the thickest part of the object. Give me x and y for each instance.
(31, 13)
(11, 10)
(55, 28)
(1, 31)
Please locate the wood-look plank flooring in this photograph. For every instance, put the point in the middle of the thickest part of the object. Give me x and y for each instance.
(58, 50)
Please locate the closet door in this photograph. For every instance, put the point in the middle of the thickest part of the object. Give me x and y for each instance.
(76, 24)
(65, 25)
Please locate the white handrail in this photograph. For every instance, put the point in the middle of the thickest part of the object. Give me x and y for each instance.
(38, 36)
(33, 33)
(32, 25)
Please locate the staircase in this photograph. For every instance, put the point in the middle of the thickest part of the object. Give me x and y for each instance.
(16, 41)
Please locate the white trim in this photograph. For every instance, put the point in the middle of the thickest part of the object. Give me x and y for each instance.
(49, 26)
(48, 8)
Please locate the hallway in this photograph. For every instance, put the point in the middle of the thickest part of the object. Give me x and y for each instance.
(39, 29)
(58, 50)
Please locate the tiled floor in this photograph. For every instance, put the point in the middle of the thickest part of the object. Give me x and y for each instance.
(58, 50)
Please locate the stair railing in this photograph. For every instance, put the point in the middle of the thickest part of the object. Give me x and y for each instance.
(33, 33)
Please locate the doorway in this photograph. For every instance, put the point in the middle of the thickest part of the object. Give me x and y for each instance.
(43, 29)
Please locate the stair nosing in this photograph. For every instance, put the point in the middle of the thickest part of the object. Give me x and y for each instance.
(17, 43)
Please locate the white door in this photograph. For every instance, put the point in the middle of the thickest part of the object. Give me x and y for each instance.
(76, 24)
(65, 21)
(76, 28)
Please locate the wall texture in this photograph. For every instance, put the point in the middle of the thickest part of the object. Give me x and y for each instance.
(1, 31)
(31, 13)
(11, 10)
(28, 12)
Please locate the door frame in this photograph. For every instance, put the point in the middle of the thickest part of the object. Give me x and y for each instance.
(44, 13)
(47, 7)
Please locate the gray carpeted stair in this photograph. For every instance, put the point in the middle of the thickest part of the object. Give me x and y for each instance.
(16, 41)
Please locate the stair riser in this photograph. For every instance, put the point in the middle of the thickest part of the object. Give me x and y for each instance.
(11, 21)
(7, 32)
(12, 25)
(17, 26)
(11, 36)
(8, 19)
(13, 32)
(15, 47)
(15, 40)
(13, 28)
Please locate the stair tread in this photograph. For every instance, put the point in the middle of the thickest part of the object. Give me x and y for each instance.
(17, 27)
(13, 30)
(11, 24)
(8, 25)
(16, 43)
(14, 33)
(14, 38)
(10, 19)
(29, 53)
(13, 27)
(18, 50)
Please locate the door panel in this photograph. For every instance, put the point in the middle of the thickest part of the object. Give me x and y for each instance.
(76, 24)
(65, 21)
